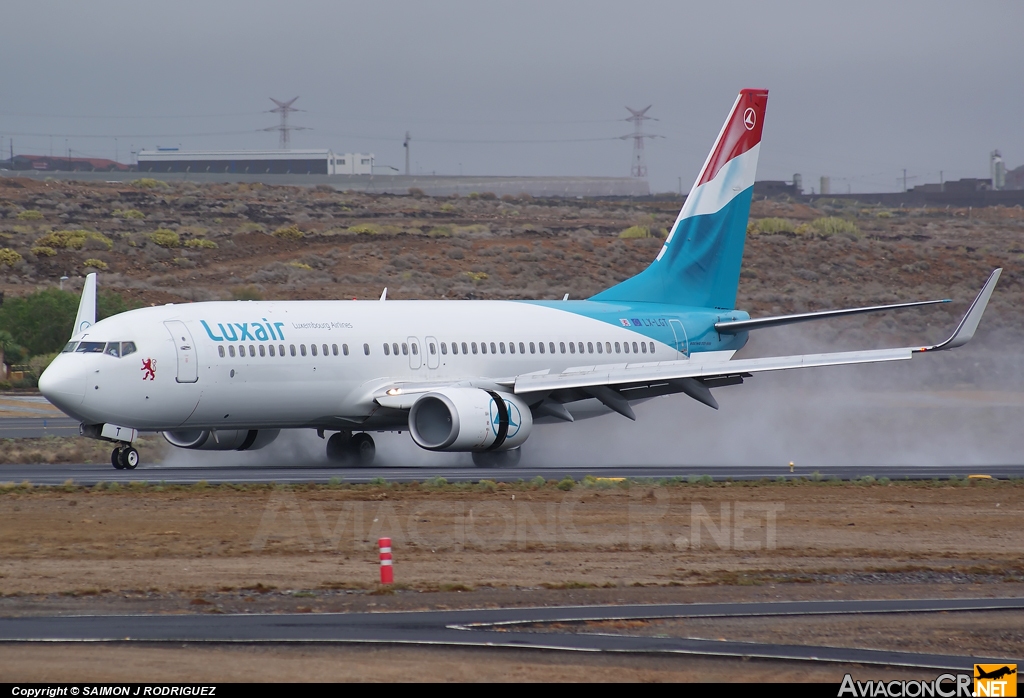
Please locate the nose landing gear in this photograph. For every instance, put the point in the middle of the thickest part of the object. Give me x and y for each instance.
(351, 450)
(124, 457)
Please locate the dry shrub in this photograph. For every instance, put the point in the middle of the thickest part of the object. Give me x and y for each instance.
(290, 232)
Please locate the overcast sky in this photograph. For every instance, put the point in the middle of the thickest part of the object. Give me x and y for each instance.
(858, 90)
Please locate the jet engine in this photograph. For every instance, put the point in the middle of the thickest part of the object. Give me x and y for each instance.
(221, 439)
(469, 419)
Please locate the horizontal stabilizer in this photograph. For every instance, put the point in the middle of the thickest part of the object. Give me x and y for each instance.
(735, 326)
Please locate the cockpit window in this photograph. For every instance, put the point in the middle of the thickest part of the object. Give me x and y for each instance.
(91, 347)
(69, 347)
(113, 349)
(127, 348)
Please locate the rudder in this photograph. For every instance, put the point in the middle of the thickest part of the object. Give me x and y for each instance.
(699, 264)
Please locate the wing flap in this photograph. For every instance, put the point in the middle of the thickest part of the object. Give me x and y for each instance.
(678, 370)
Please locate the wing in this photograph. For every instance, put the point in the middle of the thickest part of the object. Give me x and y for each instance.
(616, 385)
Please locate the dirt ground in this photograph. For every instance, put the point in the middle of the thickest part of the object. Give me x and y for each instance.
(313, 549)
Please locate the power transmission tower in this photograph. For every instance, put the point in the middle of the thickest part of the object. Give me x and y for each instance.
(284, 108)
(639, 116)
(406, 146)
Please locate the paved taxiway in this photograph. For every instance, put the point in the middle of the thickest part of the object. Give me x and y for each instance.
(503, 628)
(90, 474)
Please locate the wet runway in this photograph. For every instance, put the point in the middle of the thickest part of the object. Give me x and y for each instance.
(90, 474)
(505, 628)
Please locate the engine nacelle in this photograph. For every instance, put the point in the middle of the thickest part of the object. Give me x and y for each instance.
(469, 419)
(221, 439)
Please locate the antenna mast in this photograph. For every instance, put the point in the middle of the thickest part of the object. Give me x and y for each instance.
(406, 146)
(284, 108)
(639, 116)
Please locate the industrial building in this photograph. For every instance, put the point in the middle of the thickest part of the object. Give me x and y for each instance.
(325, 162)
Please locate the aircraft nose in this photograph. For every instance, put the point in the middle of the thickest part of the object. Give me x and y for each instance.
(63, 385)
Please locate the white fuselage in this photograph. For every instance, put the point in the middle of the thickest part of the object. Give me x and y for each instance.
(319, 364)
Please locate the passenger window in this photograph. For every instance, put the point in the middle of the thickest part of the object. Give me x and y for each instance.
(113, 349)
(241, 350)
(366, 349)
(405, 349)
(652, 347)
(625, 347)
(324, 347)
(551, 348)
(302, 349)
(533, 348)
(252, 350)
(394, 348)
(444, 348)
(483, 347)
(70, 346)
(590, 347)
(607, 347)
(493, 348)
(581, 347)
(572, 347)
(220, 350)
(231, 350)
(541, 347)
(387, 349)
(129, 348)
(522, 348)
(474, 347)
(455, 347)
(280, 349)
(271, 349)
(415, 348)
(263, 350)
(334, 349)
(643, 347)
(561, 345)
(500, 346)
(600, 349)
(312, 349)
(464, 349)
(344, 349)
(617, 348)
(634, 348)
(511, 347)
(433, 348)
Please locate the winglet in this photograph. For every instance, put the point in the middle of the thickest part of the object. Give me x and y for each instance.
(87, 306)
(967, 327)
(384, 295)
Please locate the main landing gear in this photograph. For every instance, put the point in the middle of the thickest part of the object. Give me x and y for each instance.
(351, 450)
(124, 457)
(498, 459)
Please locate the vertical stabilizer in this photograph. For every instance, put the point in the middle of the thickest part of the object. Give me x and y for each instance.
(699, 264)
(87, 307)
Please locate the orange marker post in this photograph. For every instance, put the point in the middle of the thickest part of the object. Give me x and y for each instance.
(387, 573)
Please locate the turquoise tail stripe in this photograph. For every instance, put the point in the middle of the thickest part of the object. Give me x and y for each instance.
(700, 266)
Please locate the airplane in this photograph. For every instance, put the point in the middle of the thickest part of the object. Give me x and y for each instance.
(459, 376)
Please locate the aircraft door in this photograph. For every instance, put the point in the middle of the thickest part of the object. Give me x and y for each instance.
(432, 352)
(415, 357)
(680, 336)
(185, 348)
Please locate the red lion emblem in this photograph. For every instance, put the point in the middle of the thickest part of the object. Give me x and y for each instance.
(149, 366)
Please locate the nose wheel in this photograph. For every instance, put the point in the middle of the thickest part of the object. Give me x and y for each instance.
(351, 450)
(124, 458)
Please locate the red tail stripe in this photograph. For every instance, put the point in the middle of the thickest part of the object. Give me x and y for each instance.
(741, 133)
